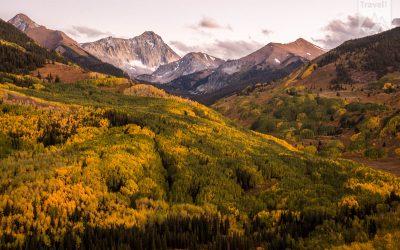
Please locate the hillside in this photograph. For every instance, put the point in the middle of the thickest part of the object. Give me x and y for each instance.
(81, 166)
(58, 41)
(378, 54)
(344, 102)
(20, 54)
(360, 61)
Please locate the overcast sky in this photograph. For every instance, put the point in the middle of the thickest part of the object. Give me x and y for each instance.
(224, 28)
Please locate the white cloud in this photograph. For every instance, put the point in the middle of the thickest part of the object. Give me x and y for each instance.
(80, 31)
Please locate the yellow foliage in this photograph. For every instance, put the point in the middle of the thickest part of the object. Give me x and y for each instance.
(397, 151)
(134, 129)
(10, 44)
(355, 137)
(145, 91)
(388, 86)
(130, 188)
(381, 188)
(340, 112)
(349, 201)
(278, 141)
(309, 71)
(105, 81)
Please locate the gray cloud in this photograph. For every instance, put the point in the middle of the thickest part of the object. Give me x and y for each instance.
(226, 49)
(209, 23)
(338, 31)
(266, 32)
(87, 32)
(396, 22)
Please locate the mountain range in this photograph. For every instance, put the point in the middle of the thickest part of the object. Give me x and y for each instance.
(147, 58)
(272, 62)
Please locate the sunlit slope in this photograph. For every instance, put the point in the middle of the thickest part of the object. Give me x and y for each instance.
(74, 157)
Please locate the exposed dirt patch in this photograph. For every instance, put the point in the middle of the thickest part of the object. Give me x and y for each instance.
(66, 73)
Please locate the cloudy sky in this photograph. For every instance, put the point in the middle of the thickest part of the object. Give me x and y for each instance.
(223, 28)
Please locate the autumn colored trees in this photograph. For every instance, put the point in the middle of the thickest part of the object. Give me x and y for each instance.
(83, 167)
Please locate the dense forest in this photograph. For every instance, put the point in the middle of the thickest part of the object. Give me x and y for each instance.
(91, 168)
(20, 54)
(330, 127)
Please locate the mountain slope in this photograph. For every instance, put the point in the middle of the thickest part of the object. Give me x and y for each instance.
(346, 99)
(99, 170)
(189, 64)
(20, 54)
(139, 55)
(273, 61)
(374, 55)
(60, 42)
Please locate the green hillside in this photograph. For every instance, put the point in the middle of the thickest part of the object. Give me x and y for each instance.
(83, 167)
(20, 54)
(342, 103)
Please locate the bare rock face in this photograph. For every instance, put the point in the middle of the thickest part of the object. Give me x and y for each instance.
(189, 64)
(139, 55)
(23, 22)
(63, 44)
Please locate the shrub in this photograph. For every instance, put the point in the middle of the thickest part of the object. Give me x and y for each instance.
(310, 150)
(397, 151)
(307, 134)
(375, 153)
(333, 148)
(388, 87)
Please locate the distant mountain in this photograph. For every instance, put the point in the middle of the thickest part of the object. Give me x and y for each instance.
(60, 42)
(136, 56)
(269, 63)
(19, 54)
(189, 64)
(266, 64)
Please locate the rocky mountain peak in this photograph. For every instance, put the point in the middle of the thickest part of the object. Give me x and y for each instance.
(142, 54)
(149, 35)
(23, 22)
(200, 57)
(189, 64)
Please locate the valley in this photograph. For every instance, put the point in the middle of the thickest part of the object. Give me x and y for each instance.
(111, 145)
